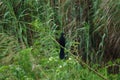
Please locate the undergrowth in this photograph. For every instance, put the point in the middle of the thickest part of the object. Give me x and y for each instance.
(29, 47)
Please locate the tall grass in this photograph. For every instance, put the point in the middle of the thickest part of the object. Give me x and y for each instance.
(29, 30)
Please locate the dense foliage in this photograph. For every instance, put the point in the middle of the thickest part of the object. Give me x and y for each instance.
(29, 33)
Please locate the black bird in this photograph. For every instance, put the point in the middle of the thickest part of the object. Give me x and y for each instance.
(62, 43)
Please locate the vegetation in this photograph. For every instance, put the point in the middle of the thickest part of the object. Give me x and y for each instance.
(29, 33)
